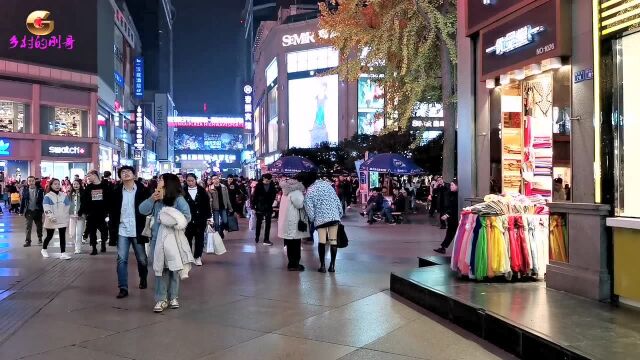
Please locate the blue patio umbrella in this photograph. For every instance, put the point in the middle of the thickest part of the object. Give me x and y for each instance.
(291, 165)
(392, 164)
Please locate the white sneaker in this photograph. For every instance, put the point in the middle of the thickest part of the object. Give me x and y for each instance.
(160, 306)
(77, 252)
(65, 257)
(44, 253)
(198, 262)
(174, 304)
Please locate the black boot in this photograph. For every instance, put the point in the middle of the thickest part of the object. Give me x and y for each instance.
(334, 252)
(27, 243)
(321, 253)
(103, 246)
(94, 251)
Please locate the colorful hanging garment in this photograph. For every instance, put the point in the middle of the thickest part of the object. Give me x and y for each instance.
(524, 247)
(457, 242)
(530, 225)
(474, 248)
(514, 246)
(507, 251)
(542, 234)
(480, 269)
(465, 248)
(558, 250)
(497, 263)
(489, 225)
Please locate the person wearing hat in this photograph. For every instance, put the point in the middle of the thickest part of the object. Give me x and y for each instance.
(449, 212)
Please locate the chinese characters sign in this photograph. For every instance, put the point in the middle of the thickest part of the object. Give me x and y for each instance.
(138, 77)
(247, 95)
(61, 34)
(515, 39)
(207, 122)
(41, 42)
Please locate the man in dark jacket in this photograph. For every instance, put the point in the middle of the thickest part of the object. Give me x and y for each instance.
(95, 205)
(374, 204)
(200, 206)
(450, 215)
(127, 224)
(32, 208)
(262, 202)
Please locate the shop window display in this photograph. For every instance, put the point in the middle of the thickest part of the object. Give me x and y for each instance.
(63, 121)
(14, 116)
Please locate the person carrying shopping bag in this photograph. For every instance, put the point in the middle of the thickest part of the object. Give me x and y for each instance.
(292, 222)
(56, 216)
(76, 222)
(166, 243)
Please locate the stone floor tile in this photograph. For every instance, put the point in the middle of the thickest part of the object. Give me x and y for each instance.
(41, 334)
(73, 353)
(364, 354)
(279, 347)
(258, 314)
(427, 338)
(356, 324)
(172, 339)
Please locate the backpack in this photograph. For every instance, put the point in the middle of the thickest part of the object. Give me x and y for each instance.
(15, 198)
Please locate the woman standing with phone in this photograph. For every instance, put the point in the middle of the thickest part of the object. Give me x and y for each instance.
(168, 194)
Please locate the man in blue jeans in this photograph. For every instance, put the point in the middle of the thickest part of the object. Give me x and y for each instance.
(127, 224)
(220, 204)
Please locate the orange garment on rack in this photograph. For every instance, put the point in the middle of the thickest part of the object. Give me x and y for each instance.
(558, 251)
(498, 258)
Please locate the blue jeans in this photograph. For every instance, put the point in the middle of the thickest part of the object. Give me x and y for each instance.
(220, 218)
(123, 260)
(167, 286)
(386, 213)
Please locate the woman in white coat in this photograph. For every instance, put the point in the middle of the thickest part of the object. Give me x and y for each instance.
(56, 216)
(291, 212)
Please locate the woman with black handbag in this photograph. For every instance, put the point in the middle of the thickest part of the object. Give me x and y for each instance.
(292, 222)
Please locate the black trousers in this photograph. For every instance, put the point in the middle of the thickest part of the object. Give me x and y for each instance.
(293, 252)
(63, 241)
(452, 227)
(266, 218)
(196, 231)
(33, 217)
(95, 225)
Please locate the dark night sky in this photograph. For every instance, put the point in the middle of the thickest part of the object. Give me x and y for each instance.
(208, 58)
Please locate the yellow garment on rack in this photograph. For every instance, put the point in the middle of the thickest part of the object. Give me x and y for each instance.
(490, 221)
(496, 241)
(558, 250)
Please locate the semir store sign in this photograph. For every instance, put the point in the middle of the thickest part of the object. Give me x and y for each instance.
(304, 38)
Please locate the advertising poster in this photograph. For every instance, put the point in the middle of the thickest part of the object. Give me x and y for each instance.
(370, 106)
(272, 132)
(207, 140)
(313, 111)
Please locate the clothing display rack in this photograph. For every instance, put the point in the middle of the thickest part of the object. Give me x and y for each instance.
(503, 236)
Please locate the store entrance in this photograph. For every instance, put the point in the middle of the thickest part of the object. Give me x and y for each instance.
(530, 137)
(61, 170)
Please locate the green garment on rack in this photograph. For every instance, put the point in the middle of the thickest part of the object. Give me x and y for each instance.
(481, 252)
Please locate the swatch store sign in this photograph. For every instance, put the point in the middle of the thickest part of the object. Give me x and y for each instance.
(65, 149)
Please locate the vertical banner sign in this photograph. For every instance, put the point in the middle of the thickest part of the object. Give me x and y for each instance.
(247, 95)
(139, 145)
(138, 76)
(160, 113)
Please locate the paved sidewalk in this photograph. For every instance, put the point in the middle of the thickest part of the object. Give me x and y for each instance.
(242, 305)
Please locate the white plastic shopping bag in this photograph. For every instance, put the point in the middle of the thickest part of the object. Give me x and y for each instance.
(218, 245)
(316, 238)
(210, 248)
(252, 220)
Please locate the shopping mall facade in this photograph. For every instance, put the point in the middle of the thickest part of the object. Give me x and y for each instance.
(69, 94)
(541, 90)
(295, 106)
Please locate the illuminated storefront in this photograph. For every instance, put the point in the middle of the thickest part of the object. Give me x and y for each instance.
(619, 44)
(294, 105)
(525, 126)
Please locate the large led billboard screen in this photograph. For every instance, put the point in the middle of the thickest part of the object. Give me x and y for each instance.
(313, 111)
(370, 106)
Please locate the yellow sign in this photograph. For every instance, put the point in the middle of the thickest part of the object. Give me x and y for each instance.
(618, 15)
(38, 23)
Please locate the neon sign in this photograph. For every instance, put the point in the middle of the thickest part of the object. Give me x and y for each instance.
(307, 37)
(4, 148)
(210, 122)
(40, 26)
(139, 145)
(248, 107)
(138, 76)
(515, 40)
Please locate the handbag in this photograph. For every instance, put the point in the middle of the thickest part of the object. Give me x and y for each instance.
(148, 224)
(302, 225)
(343, 240)
(218, 245)
(232, 223)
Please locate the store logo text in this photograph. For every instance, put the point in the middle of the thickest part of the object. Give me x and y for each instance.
(515, 40)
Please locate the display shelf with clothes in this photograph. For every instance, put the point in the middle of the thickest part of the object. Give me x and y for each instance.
(504, 237)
